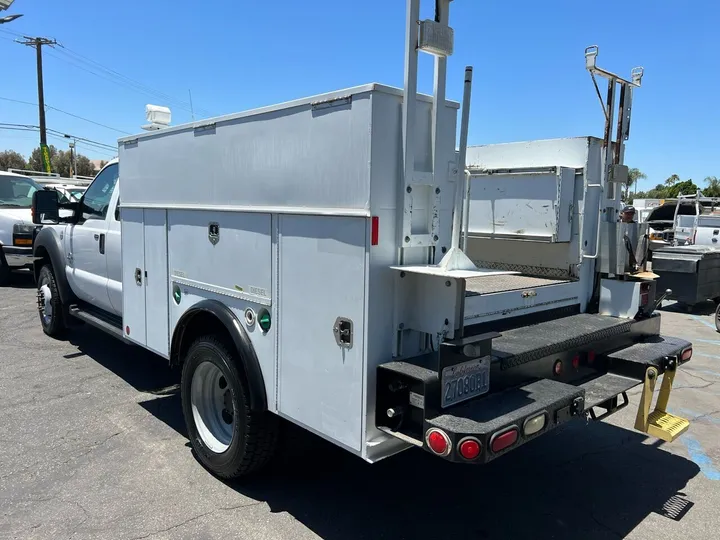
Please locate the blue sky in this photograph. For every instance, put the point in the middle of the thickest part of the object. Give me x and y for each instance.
(529, 83)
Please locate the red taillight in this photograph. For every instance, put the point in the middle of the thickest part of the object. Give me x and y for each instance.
(469, 448)
(375, 230)
(557, 368)
(504, 440)
(686, 354)
(438, 442)
(127, 330)
(591, 357)
(576, 361)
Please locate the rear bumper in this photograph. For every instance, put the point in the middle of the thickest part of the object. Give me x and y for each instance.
(587, 385)
(18, 256)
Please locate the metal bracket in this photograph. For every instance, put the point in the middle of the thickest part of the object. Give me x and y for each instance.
(611, 406)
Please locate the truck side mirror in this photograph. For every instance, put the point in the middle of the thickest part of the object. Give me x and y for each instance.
(45, 205)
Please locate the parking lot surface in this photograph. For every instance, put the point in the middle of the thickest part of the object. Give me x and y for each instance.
(92, 445)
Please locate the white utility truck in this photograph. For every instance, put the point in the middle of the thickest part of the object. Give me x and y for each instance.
(303, 261)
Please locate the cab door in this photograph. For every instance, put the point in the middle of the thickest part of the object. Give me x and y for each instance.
(86, 268)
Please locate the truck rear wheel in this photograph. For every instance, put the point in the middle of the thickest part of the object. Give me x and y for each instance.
(228, 437)
(717, 318)
(50, 306)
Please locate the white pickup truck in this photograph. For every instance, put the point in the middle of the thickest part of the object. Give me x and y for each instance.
(16, 226)
(302, 261)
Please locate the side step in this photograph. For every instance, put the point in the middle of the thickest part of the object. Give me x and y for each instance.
(99, 319)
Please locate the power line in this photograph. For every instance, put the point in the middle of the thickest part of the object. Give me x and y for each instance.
(29, 127)
(164, 95)
(67, 113)
(95, 68)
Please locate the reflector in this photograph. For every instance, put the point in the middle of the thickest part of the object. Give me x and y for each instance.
(438, 442)
(469, 448)
(504, 440)
(535, 424)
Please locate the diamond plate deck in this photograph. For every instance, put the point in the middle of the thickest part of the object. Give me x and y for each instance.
(504, 283)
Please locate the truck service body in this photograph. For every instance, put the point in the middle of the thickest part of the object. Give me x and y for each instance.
(303, 261)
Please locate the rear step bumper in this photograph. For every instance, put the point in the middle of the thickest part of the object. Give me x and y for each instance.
(408, 399)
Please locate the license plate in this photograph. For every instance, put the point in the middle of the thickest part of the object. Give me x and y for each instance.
(465, 381)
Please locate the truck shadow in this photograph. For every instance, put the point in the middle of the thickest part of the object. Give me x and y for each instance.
(143, 370)
(703, 308)
(589, 481)
(21, 279)
(593, 481)
(585, 481)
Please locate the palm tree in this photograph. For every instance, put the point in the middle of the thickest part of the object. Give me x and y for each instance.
(633, 176)
(713, 186)
(674, 179)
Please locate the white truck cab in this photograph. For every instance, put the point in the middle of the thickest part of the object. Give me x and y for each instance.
(90, 247)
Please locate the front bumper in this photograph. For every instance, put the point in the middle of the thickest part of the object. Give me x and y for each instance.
(528, 399)
(18, 256)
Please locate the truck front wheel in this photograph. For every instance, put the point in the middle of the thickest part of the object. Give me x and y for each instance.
(229, 438)
(50, 306)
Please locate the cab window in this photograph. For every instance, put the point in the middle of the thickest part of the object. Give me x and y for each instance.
(96, 200)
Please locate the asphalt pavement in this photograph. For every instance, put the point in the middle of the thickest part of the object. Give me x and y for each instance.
(93, 446)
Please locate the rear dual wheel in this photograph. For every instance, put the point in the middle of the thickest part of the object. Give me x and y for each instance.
(228, 438)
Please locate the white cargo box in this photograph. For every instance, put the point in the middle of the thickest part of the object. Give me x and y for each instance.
(291, 209)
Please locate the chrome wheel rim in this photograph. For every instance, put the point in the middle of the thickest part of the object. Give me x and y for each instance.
(45, 303)
(212, 407)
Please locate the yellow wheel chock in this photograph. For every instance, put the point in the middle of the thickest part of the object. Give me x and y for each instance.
(659, 423)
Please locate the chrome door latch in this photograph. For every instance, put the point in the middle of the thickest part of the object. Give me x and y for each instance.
(343, 330)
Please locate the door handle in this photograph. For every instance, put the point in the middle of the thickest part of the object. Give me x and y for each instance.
(138, 276)
(96, 236)
(102, 243)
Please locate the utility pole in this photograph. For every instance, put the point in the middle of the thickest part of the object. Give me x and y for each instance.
(73, 166)
(38, 43)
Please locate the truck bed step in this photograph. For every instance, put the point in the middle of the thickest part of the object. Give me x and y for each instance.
(521, 345)
(606, 387)
(99, 319)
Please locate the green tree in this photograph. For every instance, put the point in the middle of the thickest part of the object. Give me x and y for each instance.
(685, 188)
(673, 179)
(713, 186)
(634, 175)
(10, 159)
(60, 162)
(658, 192)
(35, 162)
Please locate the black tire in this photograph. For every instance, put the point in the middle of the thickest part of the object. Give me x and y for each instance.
(254, 433)
(717, 318)
(56, 324)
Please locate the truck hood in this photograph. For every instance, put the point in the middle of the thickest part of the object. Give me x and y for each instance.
(17, 214)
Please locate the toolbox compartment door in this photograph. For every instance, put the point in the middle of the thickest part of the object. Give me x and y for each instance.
(322, 277)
